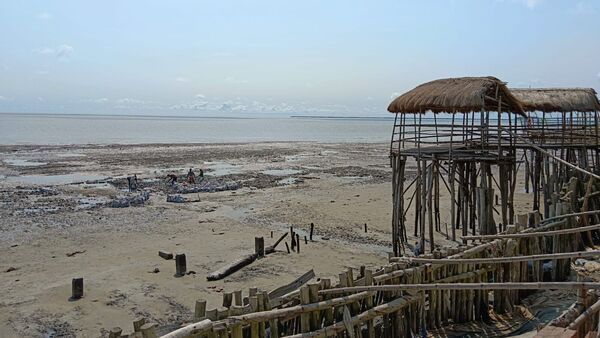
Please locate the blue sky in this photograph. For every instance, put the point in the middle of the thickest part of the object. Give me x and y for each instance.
(317, 57)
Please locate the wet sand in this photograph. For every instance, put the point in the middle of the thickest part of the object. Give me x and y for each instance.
(55, 201)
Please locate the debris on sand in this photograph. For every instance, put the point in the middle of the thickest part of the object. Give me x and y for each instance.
(127, 201)
(12, 268)
(206, 186)
(71, 254)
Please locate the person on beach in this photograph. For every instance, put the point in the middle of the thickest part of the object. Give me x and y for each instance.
(200, 175)
(191, 177)
(132, 183)
(172, 178)
(417, 250)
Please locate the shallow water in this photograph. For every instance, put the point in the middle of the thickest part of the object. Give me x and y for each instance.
(281, 172)
(23, 163)
(54, 179)
(108, 129)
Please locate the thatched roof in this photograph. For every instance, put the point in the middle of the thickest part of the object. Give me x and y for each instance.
(463, 94)
(558, 99)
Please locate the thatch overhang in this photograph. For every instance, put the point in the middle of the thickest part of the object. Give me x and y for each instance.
(557, 99)
(457, 95)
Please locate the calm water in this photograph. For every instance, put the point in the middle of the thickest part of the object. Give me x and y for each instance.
(105, 129)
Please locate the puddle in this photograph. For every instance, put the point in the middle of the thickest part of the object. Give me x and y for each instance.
(54, 179)
(289, 181)
(221, 169)
(24, 163)
(281, 172)
(67, 155)
(91, 202)
(102, 185)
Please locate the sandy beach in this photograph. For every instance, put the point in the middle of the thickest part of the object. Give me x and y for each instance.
(58, 223)
(56, 202)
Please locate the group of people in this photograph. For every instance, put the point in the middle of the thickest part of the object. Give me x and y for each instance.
(191, 177)
(132, 181)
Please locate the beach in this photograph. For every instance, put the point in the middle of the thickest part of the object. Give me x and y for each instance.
(56, 223)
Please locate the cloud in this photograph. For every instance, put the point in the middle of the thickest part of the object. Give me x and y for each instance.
(44, 16)
(4, 98)
(129, 100)
(43, 72)
(98, 100)
(45, 51)
(181, 79)
(39, 98)
(233, 80)
(532, 3)
(394, 95)
(198, 105)
(200, 96)
(62, 52)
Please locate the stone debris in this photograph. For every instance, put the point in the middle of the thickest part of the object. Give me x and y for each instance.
(176, 199)
(206, 186)
(128, 201)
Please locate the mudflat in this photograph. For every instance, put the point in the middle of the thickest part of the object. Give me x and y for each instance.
(57, 222)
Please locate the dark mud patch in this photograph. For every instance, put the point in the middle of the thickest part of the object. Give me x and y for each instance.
(42, 324)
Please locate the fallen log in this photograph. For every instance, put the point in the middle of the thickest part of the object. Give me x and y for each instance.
(241, 262)
(276, 295)
(271, 248)
(232, 267)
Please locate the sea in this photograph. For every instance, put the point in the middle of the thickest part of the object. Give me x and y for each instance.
(64, 129)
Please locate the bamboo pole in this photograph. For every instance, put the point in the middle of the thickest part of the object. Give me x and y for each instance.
(191, 330)
(585, 315)
(467, 286)
(535, 234)
(377, 311)
(496, 260)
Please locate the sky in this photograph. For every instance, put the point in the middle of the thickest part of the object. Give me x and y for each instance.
(295, 57)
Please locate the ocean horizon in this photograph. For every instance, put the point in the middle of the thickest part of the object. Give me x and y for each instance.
(65, 129)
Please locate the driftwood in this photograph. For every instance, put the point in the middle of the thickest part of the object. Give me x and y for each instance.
(232, 267)
(271, 248)
(241, 262)
(275, 295)
(190, 330)
(467, 286)
(496, 260)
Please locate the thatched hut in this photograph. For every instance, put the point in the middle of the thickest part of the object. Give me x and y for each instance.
(565, 122)
(470, 103)
(471, 142)
(557, 99)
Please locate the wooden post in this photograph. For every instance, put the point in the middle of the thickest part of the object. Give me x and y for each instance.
(259, 246)
(180, 265)
(237, 296)
(312, 228)
(148, 330)
(137, 324)
(76, 288)
(200, 309)
(305, 317)
(287, 247)
(297, 243)
(115, 332)
(227, 299)
(365, 228)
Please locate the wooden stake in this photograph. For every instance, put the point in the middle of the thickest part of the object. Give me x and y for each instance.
(180, 265)
(199, 309)
(76, 288)
(259, 246)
